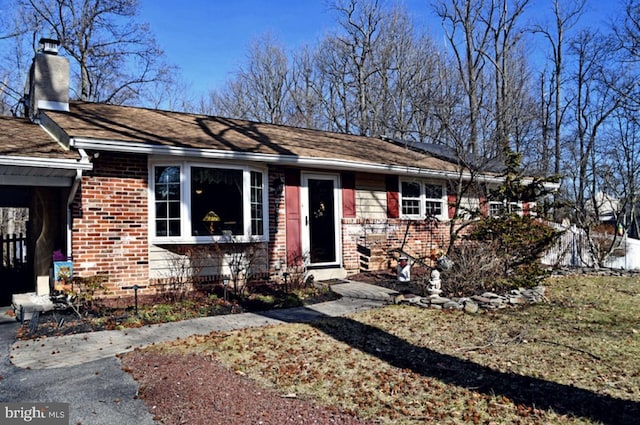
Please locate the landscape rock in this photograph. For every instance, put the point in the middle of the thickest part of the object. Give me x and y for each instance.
(471, 307)
(477, 303)
(452, 305)
(439, 300)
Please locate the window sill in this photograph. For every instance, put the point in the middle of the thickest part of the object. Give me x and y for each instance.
(216, 239)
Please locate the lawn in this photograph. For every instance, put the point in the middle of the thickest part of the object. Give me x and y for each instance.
(574, 359)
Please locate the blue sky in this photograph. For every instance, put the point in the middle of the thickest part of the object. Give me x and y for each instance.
(208, 39)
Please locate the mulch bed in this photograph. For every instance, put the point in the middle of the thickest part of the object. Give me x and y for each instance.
(116, 313)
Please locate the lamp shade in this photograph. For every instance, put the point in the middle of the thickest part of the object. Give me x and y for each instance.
(211, 217)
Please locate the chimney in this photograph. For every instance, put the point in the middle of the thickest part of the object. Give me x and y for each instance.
(48, 85)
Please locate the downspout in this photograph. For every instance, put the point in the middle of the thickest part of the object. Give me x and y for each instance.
(72, 194)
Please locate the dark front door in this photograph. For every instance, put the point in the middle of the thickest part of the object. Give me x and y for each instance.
(321, 220)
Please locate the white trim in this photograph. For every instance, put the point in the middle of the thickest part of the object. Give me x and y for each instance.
(53, 105)
(34, 162)
(337, 213)
(444, 212)
(302, 161)
(185, 167)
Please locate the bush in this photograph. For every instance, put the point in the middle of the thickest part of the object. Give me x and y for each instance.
(499, 253)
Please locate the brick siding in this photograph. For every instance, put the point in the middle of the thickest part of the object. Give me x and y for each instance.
(367, 244)
(110, 227)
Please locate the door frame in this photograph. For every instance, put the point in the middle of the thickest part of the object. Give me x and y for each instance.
(337, 214)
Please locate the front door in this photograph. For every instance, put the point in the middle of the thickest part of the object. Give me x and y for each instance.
(320, 222)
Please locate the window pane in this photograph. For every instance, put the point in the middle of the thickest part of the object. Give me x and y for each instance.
(432, 191)
(495, 209)
(257, 220)
(167, 194)
(433, 208)
(216, 201)
(410, 207)
(174, 228)
(161, 210)
(161, 228)
(410, 198)
(410, 190)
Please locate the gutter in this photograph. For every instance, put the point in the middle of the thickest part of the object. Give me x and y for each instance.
(325, 163)
(84, 160)
(63, 164)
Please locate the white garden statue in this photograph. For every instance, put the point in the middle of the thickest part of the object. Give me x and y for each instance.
(404, 270)
(434, 288)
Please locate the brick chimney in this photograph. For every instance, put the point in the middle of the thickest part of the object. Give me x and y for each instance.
(48, 85)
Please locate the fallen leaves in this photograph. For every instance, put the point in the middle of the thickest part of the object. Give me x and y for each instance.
(403, 365)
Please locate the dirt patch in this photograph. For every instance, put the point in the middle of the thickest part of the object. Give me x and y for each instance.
(197, 390)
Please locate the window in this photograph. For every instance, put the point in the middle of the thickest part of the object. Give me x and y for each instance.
(216, 201)
(433, 200)
(167, 201)
(257, 213)
(497, 208)
(411, 198)
(421, 199)
(203, 202)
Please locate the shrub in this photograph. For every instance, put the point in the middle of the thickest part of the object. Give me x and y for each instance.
(499, 253)
(88, 289)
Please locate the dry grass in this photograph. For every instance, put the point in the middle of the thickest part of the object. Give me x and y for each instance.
(575, 359)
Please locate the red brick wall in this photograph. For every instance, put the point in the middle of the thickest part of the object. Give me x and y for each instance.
(109, 229)
(366, 243)
(277, 223)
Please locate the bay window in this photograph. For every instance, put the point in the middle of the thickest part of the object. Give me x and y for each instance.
(202, 202)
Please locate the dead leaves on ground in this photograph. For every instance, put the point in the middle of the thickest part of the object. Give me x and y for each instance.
(353, 363)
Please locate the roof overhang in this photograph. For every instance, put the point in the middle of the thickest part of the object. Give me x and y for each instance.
(279, 159)
(32, 171)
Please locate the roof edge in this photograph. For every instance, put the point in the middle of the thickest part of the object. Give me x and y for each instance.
(29, 161)
(326, 163)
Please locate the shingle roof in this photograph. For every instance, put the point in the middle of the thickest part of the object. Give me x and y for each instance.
(21, 138)
(185, 130)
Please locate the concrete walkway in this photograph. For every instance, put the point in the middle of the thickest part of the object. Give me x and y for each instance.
(72, 350)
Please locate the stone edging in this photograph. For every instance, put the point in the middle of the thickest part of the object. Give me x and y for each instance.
(476, 303)
(590, 271)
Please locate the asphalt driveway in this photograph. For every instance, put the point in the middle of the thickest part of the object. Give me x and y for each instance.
(98, 392)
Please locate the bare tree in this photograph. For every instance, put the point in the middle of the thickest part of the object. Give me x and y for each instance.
(407, 64)
(621, 175)
(259, 89)
(115, 56)
(229, 101)
(566, 15)
(505, 37)
(334, 86)
(266, 78)
(18, 36)
(598, 84)
(469, 37)
(305, 108)
(485, 38)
